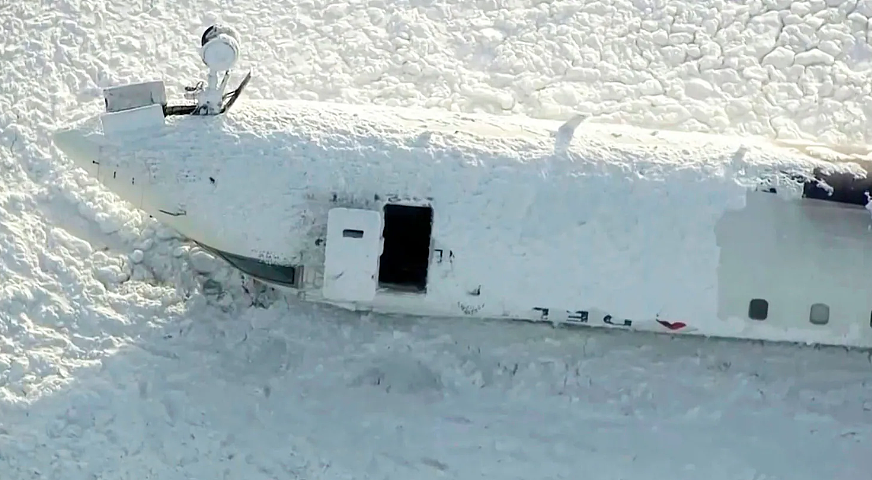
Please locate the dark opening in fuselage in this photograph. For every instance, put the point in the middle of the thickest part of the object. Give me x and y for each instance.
(839, 188)
(843, 188)
(406, 256)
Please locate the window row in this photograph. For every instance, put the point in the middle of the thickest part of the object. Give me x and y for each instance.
(818, 313)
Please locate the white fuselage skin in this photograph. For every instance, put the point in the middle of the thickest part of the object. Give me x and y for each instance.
(529, 222)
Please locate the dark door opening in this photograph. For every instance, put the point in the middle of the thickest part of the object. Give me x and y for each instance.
(406, 255)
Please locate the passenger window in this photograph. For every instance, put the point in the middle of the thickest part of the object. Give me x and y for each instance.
(758, 309)
(819, 314)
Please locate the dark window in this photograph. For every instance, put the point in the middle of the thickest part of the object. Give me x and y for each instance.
(758, 309)
(819, 314)
(406, 256)
(838, 187)
(269, 272)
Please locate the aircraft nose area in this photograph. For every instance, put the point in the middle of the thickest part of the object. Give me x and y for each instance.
(77, 147)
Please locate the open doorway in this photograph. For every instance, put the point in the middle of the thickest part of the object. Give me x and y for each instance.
(406, 255)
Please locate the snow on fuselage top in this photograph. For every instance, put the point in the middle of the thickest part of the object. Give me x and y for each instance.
(372, 149)
(609, 198)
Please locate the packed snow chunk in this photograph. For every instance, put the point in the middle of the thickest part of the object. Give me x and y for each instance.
(109, 224)
(212, 287)
(699, 89)
(17, 369)
(137, 256)
(111, 275)
(76, 246)
(831, 47)
(651, 87)
(400, 374)
(144, 244)
(814, 57)
(202, 261)
(780, 57)
(765, 28)
(166, 233)
(864, 7)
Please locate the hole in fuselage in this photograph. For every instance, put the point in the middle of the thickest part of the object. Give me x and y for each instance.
(841, 188)
(406, 255)
(844, 188)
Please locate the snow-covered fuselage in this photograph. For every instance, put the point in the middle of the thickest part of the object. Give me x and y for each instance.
(435, 213)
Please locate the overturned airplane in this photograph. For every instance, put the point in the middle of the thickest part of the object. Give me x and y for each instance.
(427, 212)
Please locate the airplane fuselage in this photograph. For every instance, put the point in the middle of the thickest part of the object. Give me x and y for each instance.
(434, 213)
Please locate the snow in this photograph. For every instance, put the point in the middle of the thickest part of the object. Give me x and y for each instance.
(114, 363)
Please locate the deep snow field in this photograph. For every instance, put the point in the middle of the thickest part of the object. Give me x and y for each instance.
(115, 363)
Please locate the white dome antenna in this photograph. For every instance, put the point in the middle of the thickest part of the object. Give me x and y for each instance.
(219, 50)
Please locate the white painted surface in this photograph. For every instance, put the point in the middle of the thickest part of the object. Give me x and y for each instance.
(140, 94)
(135, 120)
(113, 364)
(795, 255)
(354, 244)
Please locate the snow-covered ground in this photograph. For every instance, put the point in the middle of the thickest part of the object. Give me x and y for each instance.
(116, 364)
